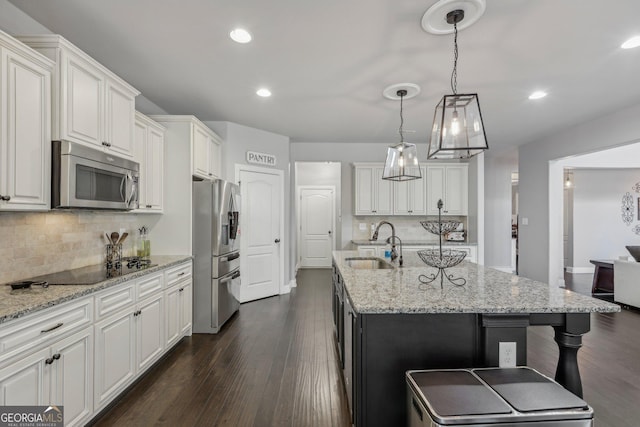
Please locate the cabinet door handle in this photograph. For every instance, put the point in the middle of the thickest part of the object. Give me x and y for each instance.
(5, 198)
(56, 356)
(44, 331)
(277, 241)
(49, 361)
(149, 206)
(181, 289)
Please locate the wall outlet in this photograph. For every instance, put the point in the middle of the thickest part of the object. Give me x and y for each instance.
(507, 355)
(363, 226)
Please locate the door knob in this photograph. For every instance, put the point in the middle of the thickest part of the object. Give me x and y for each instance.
(277, 240)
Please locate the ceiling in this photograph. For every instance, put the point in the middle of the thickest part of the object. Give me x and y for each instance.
(328, 61)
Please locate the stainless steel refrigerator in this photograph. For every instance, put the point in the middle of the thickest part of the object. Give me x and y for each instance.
(216, 252)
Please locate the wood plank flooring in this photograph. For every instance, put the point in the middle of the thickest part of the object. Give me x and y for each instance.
(275, 364)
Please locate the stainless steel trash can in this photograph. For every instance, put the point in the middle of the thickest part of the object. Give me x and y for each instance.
(485, 397)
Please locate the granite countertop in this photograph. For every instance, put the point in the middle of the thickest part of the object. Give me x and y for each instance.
(487, 290)
(381, 242)
(20, 302)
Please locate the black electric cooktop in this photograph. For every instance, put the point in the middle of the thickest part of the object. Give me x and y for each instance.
(94, 274)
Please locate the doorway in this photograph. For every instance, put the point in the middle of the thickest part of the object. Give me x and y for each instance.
(316, 217)
(261, 232)
(318, 175)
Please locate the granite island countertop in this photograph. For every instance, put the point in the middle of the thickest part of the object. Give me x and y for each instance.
(487, 290)
(20, 302)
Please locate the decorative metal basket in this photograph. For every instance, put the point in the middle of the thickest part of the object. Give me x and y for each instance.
(441, 259)
(440, 227)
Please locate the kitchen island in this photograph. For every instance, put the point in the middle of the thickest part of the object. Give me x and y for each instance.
(387, 322)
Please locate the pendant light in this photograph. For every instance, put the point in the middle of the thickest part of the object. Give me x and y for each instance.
(458, 131)
(402, 159)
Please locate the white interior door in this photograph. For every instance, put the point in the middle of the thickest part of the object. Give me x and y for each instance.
(261, 232)
(317, 219)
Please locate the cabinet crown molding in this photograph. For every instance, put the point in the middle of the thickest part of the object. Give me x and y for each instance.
(141, 117)
(16, 46)
(49, 41)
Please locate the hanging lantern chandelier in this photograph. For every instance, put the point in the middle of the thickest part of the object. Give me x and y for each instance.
(402, 159)
(458, 131)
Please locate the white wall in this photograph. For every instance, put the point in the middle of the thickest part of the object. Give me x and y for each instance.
(239, 139)
(598, 229)
(15, 22)
(619, 128)
(498, 206)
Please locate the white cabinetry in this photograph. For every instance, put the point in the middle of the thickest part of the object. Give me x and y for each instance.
(129, 341)
(449, 183)
(25, 139)
(149, 153)
(91, 105)
(47, 359)
(373, 195)
(410, 196)
(205, 145)
(206, 152)
(178, 302)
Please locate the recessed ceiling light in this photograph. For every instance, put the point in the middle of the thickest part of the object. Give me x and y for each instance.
(264, 92)
(538, 94)
(240, 35)
(631, 43)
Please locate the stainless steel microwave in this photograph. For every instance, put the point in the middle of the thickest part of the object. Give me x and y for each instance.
(88, 178)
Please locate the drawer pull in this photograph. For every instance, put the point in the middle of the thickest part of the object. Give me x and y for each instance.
(181, 274)
(51, 328)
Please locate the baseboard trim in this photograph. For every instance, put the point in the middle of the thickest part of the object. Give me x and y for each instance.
(293, 284)
(580, 270)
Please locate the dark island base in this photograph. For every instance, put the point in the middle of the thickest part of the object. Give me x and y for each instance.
(385, 346)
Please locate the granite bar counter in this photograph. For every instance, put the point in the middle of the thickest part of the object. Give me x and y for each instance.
(392, 323)
(20, 302)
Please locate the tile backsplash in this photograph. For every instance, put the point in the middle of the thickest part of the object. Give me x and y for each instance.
(407, 228)
(36, 243)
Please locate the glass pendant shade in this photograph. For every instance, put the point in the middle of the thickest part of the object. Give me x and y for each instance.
(458, 132)
(402, 163)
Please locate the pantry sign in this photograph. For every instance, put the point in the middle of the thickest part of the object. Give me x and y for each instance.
(261, 158)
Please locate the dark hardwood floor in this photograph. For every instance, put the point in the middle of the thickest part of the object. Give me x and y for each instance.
(275, 364)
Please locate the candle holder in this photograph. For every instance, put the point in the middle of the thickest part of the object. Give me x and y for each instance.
(439, 258)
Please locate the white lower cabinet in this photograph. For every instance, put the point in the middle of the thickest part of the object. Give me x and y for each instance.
(59, 374)
(178, 316)
(149, 331)
(65, 356)
(128, 342)
(115, 356)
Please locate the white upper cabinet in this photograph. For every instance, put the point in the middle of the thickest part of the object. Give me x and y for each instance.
(205, 145)
(206, 152)
(448, 183)
(373, 195)
(409, 197)
(25, 139)
(149, 153)
(91, 105)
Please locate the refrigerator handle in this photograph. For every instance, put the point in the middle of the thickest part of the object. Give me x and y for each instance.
(230, 257)
(229, 278)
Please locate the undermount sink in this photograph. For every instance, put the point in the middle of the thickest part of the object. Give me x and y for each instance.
(368, 263)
